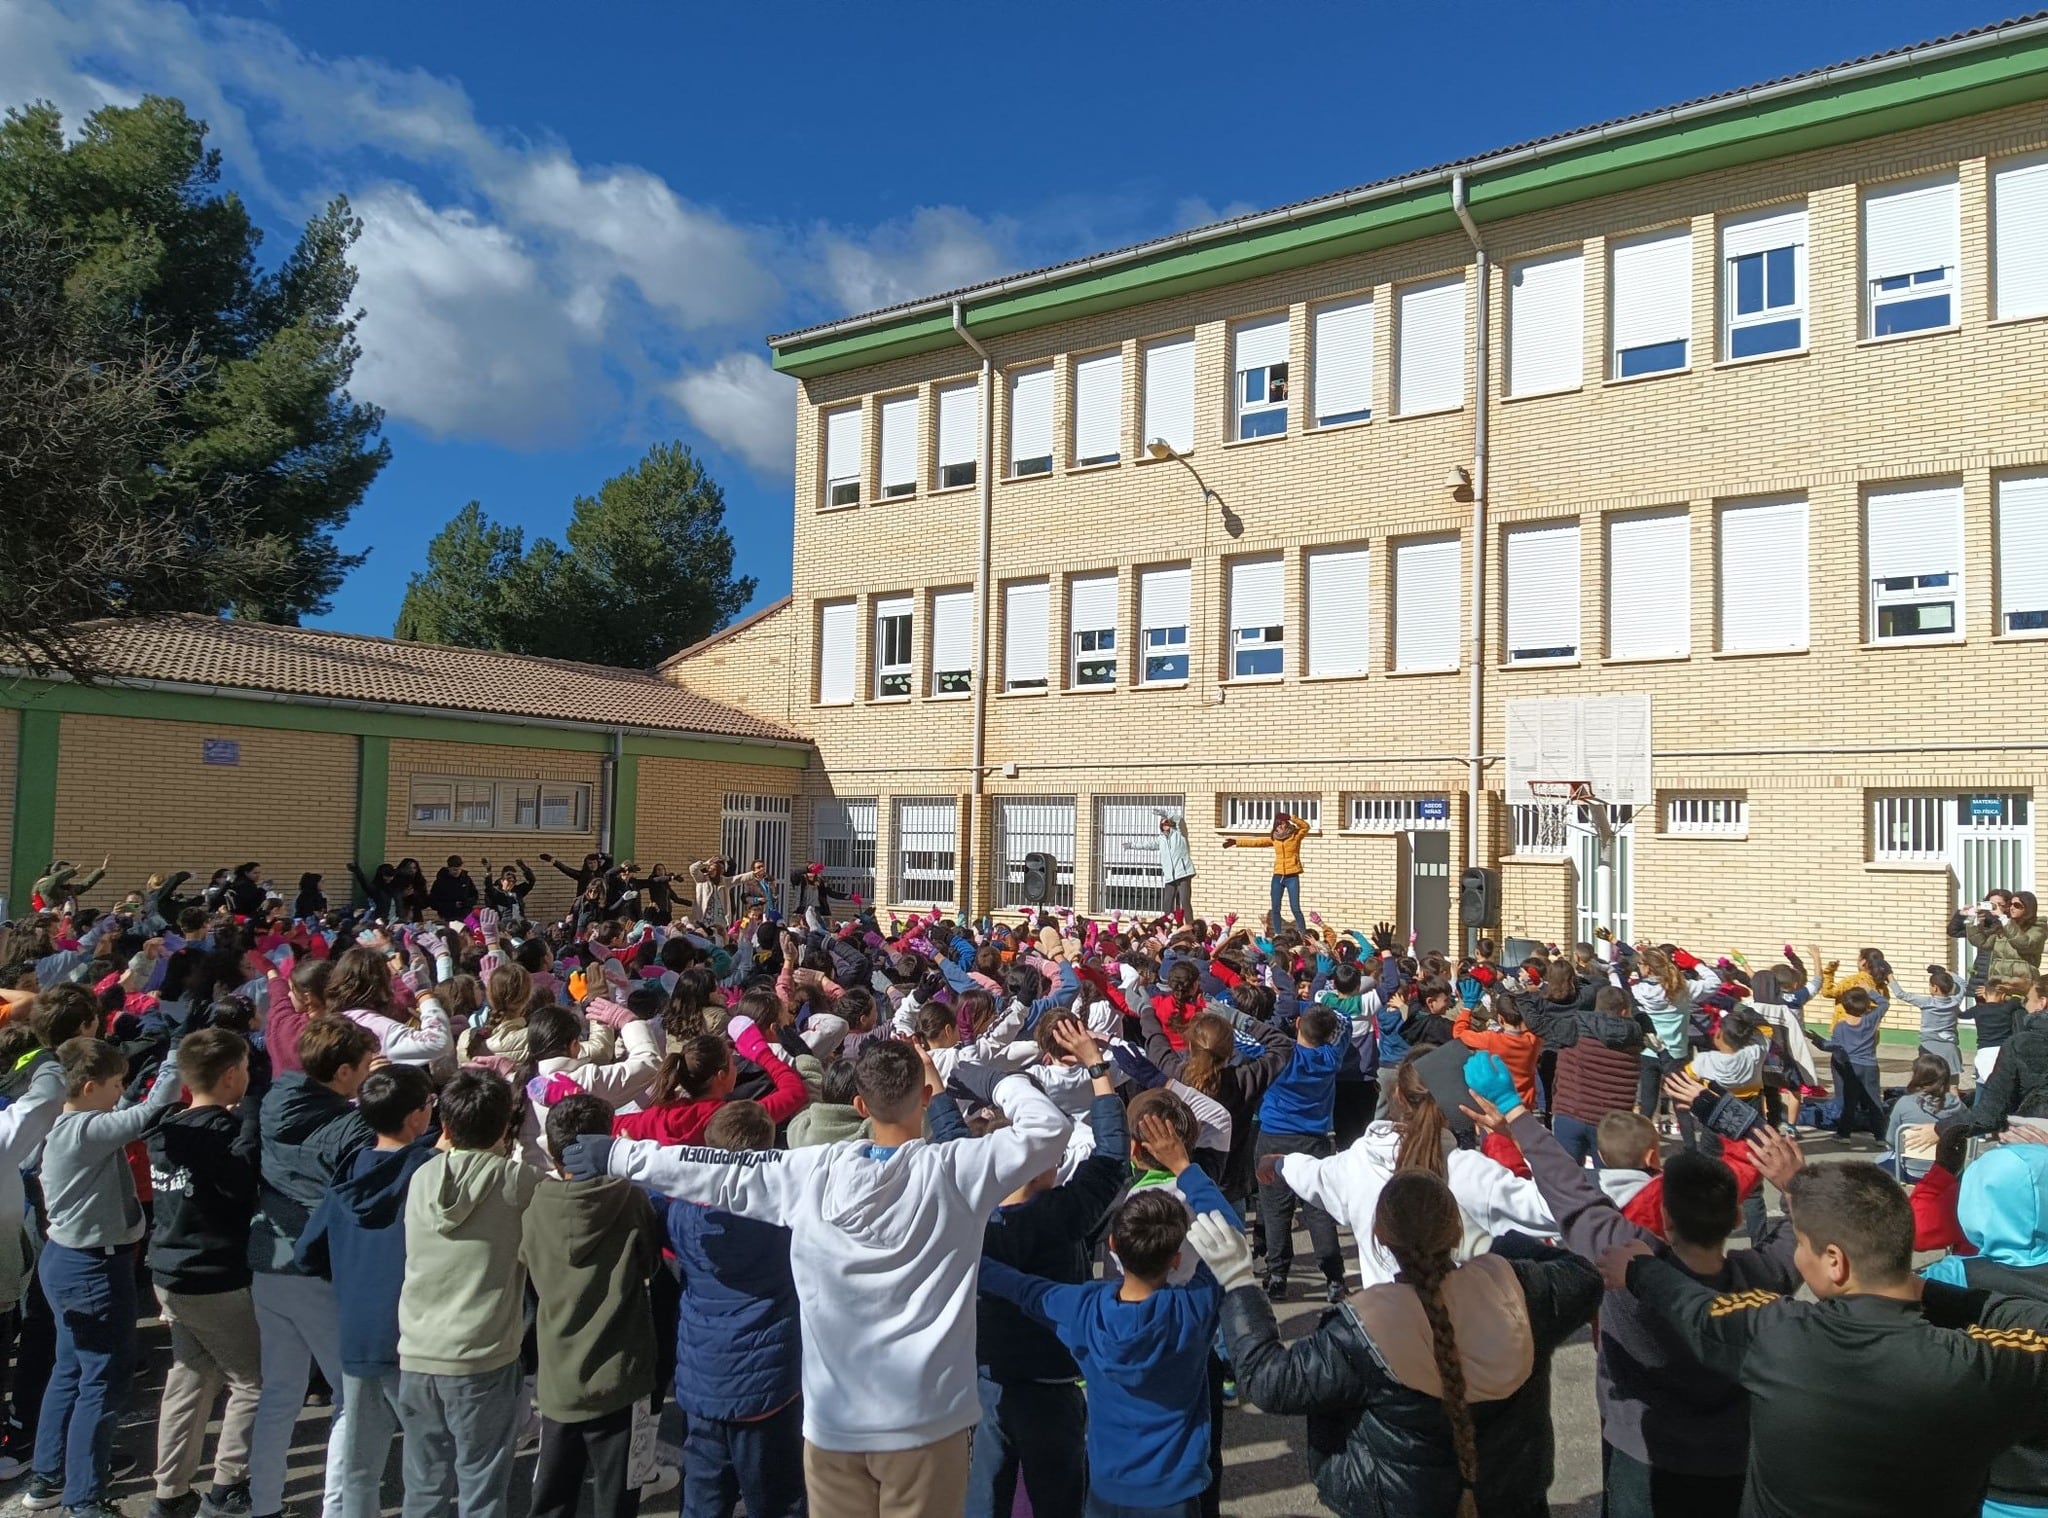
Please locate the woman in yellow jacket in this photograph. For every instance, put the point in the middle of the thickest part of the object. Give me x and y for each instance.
(1285, 842)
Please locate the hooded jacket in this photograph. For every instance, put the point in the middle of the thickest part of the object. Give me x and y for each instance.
(356, 1239)
(24, 1124)
(2018, 1083)
(203, 1178)
(739, 1349)
(590, 1247)
(887, 1242)
(460, 1311)
(827, 1123)
(1598, 1070)
(308, 1136)
(2015, 951)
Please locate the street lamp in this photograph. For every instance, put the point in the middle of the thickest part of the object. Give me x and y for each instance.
(1159, 448)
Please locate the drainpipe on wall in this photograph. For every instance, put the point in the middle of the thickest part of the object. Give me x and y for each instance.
(608, 792)
(984, 474)
(1475, 732)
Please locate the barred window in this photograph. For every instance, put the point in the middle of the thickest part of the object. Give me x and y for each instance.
(756, 827)
(1540, 829)
(1034, 825)
(1397, 814)
(1707, 816)
(843, 841)
(1255, 814)
(1910, 827)
(927, 837)
(1128, 876)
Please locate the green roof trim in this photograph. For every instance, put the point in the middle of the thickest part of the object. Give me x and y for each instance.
(1942, 82)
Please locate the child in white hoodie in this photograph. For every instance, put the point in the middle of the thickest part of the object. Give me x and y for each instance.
(886, 1239)
(555, 1044)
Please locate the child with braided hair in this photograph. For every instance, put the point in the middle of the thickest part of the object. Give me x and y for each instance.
(1430, 1395)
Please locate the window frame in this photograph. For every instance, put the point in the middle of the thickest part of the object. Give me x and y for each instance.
(939, 674)
(899, 854)
(1924, 820)
(1381, 813)
(1250, 813)
(1706, 814)
(494, 789)
(1086, 645)
(1617, 356)
(1101, 358)
(1172, 640)
(1732, 321)
(887, 669)
(851, 877)
(1256, 640)
(1895, 592)
(1038, 463)
(885, 489)
(835, 483)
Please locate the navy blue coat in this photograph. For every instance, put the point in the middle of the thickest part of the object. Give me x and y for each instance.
(739, 1348)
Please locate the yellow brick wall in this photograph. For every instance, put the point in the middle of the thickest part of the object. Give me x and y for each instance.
(681, 801)
(432, 846)
(754, 668)
(137, 792)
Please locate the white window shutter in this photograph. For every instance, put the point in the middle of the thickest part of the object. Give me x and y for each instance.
(1031, 415)
(959, 424)
(836, 639)
(1913, 530)
(1343, 359)
(1649, 585)
(1763, 232)
(1260, 344)
(1092, 604)
(1911, 227)
(842, 444)
(1543, 588)
(953, 630)
(1652, 297)
(1763, 595)
(2019, 239)
(1024, 633)
(899, 441)
(1256, 598)
(1426, 621)
(1429, 347)
(1546, 324)
(1170, 393)
(1339, 611)
(2022, 547)
(1163, 598)
(1098, 406)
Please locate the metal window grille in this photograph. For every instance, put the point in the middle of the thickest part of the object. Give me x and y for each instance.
(1910, 828)
(1540, 829)
(756, 827)
(843, 841)
(1706, 816)
(1255, 814)
(1037, 824)
(1397, 814)
(927, 837)
(1128, 877)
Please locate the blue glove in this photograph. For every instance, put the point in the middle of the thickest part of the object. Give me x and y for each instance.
(1140, 1070)
(1486, 1076)
(588, 1157)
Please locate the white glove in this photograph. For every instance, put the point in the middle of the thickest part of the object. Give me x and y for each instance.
(1225, 1250)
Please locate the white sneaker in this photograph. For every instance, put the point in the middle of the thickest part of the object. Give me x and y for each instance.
(11, 1467)
(666, 1478)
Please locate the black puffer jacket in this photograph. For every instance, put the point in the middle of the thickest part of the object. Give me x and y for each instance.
(1379, 1449)
(2018, 1083)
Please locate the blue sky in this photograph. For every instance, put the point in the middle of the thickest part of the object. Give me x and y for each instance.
(581, 220)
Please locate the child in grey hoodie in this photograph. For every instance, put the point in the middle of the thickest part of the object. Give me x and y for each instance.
(1938, 1009)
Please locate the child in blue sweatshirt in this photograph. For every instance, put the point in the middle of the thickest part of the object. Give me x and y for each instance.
(1143, 1347)
(1295, 1117)
(356, 1239)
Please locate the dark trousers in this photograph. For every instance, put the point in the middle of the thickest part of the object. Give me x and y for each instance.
(761, 1461)
(1102, 1507)
(1862, 1098)
(1579, 1140)
(34, 1358)
(1036, 1430)
(1276, 1211)
(599, 1446)
(1177, 898)
(92, 1292)
(1631, 1489)
(1650, 1084)
(665, 1295)
(1357, 1102)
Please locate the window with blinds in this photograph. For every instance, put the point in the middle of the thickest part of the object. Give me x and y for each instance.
(1649, 585)
(838, 627)
(1031, 422)
(1342, 362)
(1429, 347)
(1091, 628)
(2023, 552)
(899, 445)
(1099, 408)
(1763, 284)
(1763, 589)
(1547, 324)
(952, 642)
(2019, 237)
(959, 434)
(892, 646)
(1259, 377)
(1426, 604)
(1163, 624)
(1913, 547)
(1258, 631)
(1024, 634)
(1339, 610)
(842, 457)
(1910, 257)
(1543, 593)
(1170, 393)
(1650, 297)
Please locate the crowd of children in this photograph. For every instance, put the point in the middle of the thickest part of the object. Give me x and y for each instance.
(935, 1218)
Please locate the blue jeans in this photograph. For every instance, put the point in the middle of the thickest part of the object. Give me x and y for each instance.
(1102, 1507)
(1036, 1429)
(1577, 1139)
(1290, 887)
(762, 1461)
(92, 1293)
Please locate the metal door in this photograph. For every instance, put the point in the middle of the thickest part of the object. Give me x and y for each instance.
(1427, 904)
(1606, 878)
(1991, 844)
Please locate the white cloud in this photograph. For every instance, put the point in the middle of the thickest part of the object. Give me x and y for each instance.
(745, 405)
(1193, 211)
(935, 248)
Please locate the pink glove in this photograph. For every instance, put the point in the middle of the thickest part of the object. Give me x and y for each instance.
(491, 963)
(497, 1064)
(748, 1039)
(487, 922)
(602, 1009)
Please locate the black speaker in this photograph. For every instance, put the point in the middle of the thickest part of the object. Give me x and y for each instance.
(1478, 897)
(1040, 872)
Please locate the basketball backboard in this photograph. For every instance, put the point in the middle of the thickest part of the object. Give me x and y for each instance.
(1603, 739)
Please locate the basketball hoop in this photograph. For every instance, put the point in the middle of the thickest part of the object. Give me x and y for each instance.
(1586, 809)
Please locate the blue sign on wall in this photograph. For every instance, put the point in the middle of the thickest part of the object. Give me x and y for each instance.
(1987, 809)
(220, 751)
(1433, 809)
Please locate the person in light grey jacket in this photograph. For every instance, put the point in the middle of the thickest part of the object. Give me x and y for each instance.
(1176, 869)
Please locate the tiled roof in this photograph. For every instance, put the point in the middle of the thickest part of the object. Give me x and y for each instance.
(305, 661)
